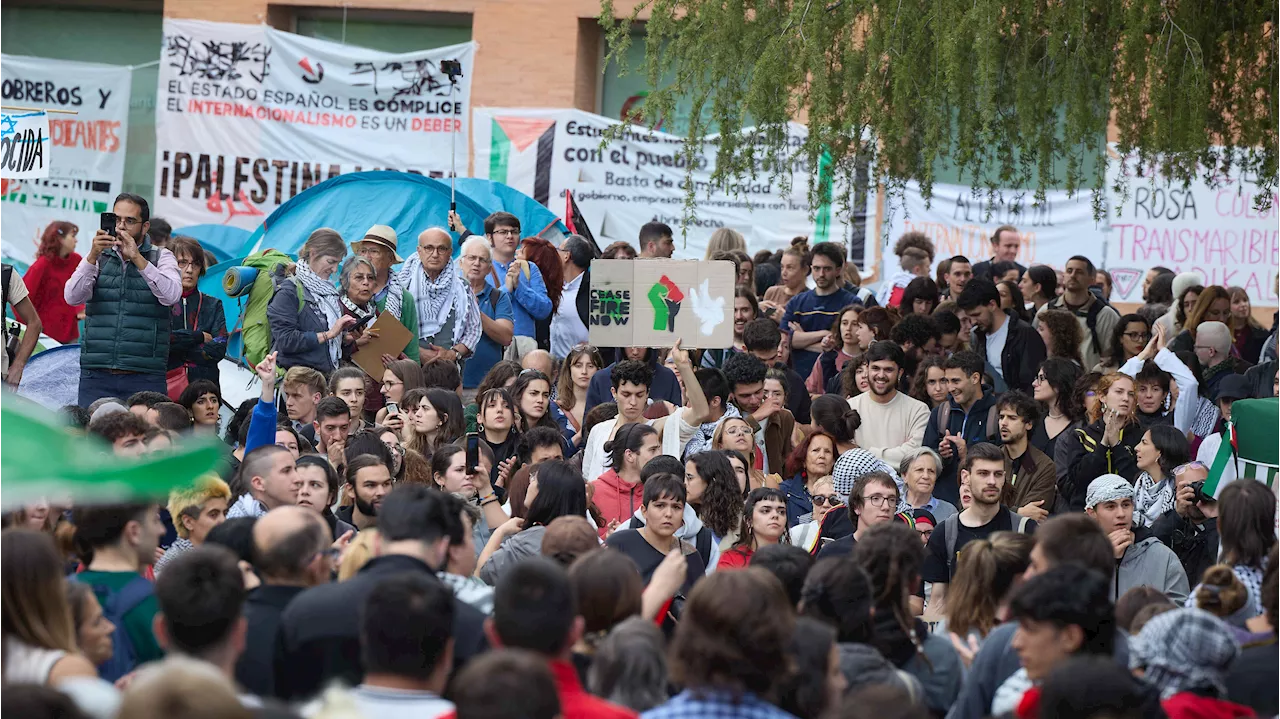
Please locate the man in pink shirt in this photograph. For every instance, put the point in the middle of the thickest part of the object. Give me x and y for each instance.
(127, 289)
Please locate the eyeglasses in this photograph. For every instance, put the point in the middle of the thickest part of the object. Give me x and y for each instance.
(505, 233)
(877, 500)
(430, 250)
(1138, 336)
(1182, 468)
(185, 264)
(826, 500)
(127, 221)
(1040, 378)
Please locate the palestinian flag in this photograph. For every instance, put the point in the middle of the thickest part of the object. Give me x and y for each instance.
(518, 145)
(1248, 447)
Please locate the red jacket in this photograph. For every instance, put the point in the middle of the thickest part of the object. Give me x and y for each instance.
(736, 558)
(616, 499)
(1187, 705)
(576, 703)
(45, 280)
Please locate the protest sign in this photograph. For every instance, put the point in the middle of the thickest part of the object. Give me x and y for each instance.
(653, 303)
(24, 137)
(641, 178)
(84, 155)
(958, 223)
(247, 117)
(1197, 228)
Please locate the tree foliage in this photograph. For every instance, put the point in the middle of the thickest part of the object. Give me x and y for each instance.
(1013, 93)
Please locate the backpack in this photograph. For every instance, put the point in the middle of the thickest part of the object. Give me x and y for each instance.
(942, 419)
(701, 542)
(115, 605)
(1018, 521)
(270, 271)
(1090, 317)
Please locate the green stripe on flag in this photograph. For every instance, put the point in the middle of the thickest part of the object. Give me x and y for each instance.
(499, 153)
(822, 218)
(1222, 462)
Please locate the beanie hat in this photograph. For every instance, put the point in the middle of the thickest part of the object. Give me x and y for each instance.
(1183, 281)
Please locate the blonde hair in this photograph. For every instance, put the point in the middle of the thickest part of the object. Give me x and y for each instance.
(358, 554)
(312, 378)
(182, 501)
(1235, 293)
(179, 686)
(1101, 388)
(725, 240)
(1221, 593)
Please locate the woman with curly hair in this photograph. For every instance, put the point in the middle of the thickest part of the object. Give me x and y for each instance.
(1127, 341)
(620, 250)
(915, 253)
(1061, 334)
(1054, 387)
(1105, 445)
(930, 384)
(846, 346)
(713, 492)
(56, 259)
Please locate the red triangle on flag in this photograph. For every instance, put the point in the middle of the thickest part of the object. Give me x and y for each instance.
(523, 131)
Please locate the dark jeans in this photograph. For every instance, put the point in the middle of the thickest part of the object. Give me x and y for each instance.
(98, 383)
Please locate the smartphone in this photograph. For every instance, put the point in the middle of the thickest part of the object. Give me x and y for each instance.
(392, 408)
(361, 323)
(108, 223)
(473, 453)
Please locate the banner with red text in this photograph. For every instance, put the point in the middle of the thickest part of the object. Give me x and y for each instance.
(86, 157)
(248, 116)
(1211, 230)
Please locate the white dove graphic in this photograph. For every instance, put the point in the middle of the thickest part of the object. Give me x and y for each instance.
(710, 312)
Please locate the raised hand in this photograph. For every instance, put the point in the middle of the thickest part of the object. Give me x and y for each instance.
(127, 246)
(679, 355)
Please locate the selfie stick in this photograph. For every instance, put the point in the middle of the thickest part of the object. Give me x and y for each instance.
(454, 71)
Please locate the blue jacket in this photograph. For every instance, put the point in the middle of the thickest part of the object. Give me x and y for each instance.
(798, 502)
(293, 332)
(979, 425)
(664, 385)
(530, 302)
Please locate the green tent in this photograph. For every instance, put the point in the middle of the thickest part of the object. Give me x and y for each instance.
(1249, 448)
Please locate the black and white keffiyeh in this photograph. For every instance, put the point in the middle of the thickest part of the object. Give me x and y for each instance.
(1151, 499)
(1184, 650)
(326, 296)
(437, 298)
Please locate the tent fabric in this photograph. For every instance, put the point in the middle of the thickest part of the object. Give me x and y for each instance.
(52, 377)
(224, 241)
(534, 216)
(354, 202)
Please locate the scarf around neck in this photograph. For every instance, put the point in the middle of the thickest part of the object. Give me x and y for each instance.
(436, 297)
(395, 294)
(325, 294)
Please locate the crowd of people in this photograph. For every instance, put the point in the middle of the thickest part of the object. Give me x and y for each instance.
(976, 493)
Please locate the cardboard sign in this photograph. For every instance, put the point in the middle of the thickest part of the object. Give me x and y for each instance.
(653, 303)
(24, 144)
(391, 339)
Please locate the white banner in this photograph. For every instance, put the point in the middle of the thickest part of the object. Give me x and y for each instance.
(957, 221)
(639, 179)
(248, 116)
(83, 157)
(24, 138)
(1215, 232)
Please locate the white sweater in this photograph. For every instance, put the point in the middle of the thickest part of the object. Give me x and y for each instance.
(890, 431)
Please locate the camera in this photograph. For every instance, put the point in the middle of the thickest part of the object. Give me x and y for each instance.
(1197, 493)
(452, 68)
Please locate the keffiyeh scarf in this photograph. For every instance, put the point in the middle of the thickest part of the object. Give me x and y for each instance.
(1184, 650)
(437, 298)
(326, 296)
(701, 441)
(395, 295)
(1151, 499)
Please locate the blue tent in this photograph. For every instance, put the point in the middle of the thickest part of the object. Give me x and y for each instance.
(224, 241)
(535, 218)
(354, 202)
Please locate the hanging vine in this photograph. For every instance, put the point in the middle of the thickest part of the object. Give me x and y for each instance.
(1012, 93)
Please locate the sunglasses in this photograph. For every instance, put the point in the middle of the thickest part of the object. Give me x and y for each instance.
(827, 500)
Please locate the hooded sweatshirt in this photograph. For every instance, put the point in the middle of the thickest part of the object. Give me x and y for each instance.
(863, 666)
(1150, 563)
(688, 532)
(616, 499)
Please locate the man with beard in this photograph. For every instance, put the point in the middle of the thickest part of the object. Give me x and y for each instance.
(762, 338)
(810, 314)
(967, 417)
(369, 482)
(892, 422)
(774, 425)
(332, 425)
(984, 473)
(1097, 319)
(917, 335)
(872, 501)
(1033, 484)
(1012, 348)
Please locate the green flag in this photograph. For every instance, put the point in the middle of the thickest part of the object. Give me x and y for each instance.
(40, 457)
(1248, 446)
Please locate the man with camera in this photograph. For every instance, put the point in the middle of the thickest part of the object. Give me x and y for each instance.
(1190, 529)
(127, 287)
